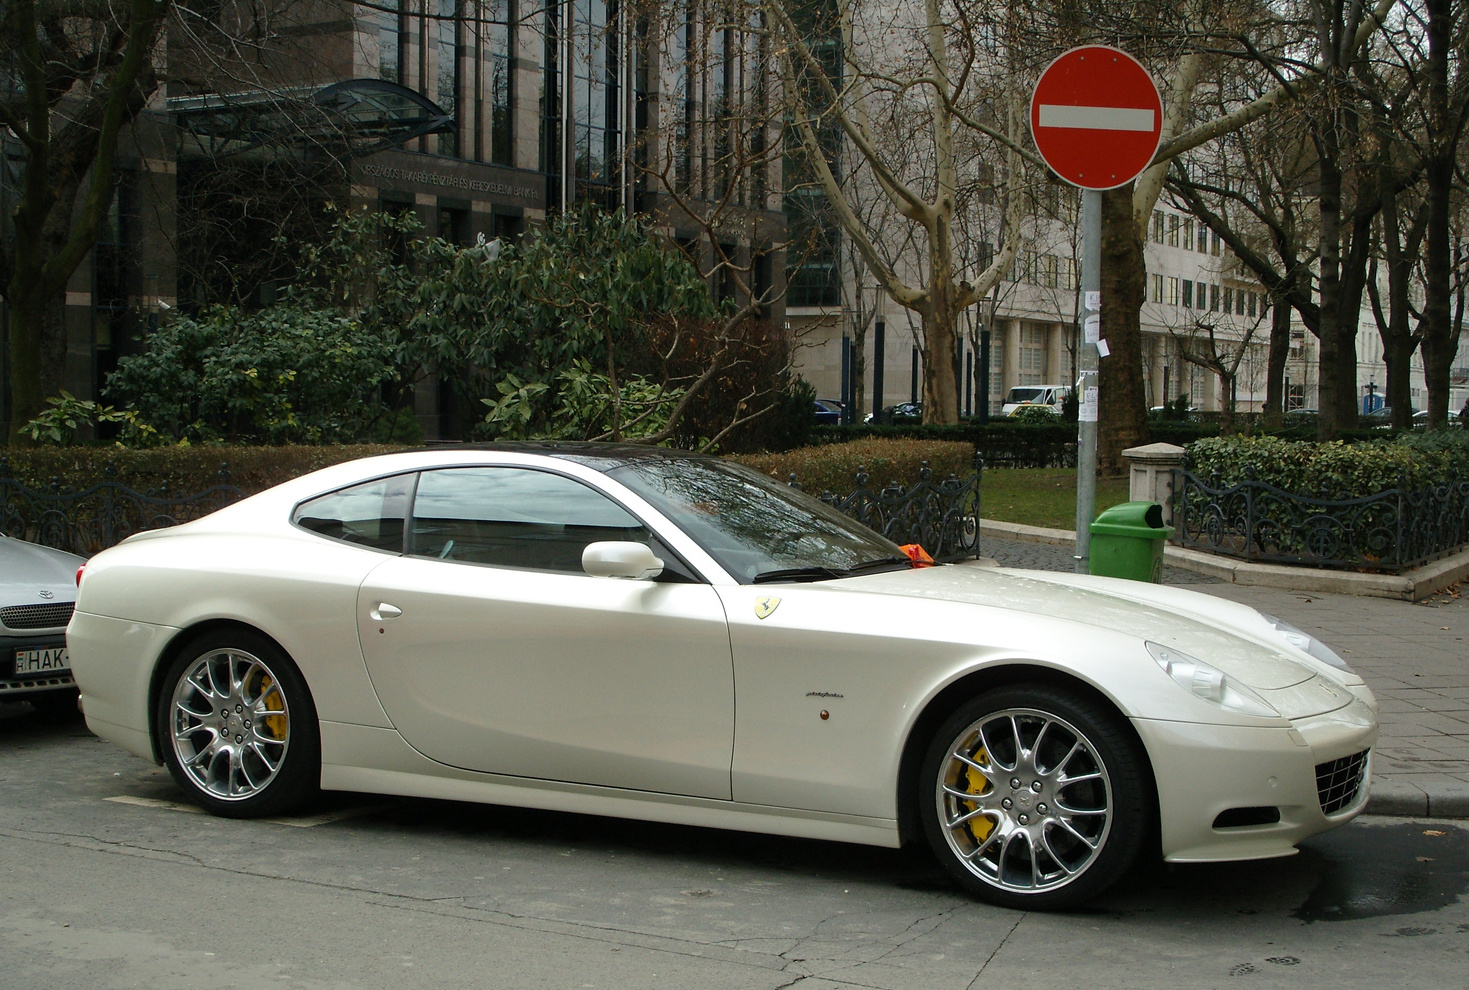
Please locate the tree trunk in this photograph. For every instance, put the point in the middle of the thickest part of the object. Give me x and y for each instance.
(940, 341)
(1123, 413)
(1440, 340)
(1276, 400)
(1329, 206)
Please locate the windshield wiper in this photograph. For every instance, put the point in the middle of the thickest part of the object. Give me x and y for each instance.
(881, 563)
(799, 574)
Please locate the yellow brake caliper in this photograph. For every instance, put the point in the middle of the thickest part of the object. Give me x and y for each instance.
(274, 702)
(976, 783)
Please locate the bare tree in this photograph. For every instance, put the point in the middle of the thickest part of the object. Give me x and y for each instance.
(76, 75)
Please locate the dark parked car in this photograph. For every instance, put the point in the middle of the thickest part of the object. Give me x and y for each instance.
(903, 412)
(828, 412)
(37, 594)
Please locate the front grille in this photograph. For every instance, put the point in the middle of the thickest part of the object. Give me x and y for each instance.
(47, 616)
(1337, 782)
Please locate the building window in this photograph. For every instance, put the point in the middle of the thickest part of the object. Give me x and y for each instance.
(1068, 273)
(1157, 288)
(495, 144)
(448, 70)
(1203, 238)
(1188, 232)
(1172, 290)
(1032, 356)
(1214, 298)
(1228, 299)
(1188, 294)
(1215, 245)
(392, 40)
(1158, 225)
(1250, 304)
(1239, 303)
(1173, 224)
(1049, 277)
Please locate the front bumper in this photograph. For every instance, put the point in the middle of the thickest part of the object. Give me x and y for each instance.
(13, 688)
(1205, 771)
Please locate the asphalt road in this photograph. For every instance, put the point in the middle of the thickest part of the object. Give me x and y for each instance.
(106, 881)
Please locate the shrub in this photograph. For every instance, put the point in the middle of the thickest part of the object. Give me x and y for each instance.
(185, 470)
(285, 374)
(1337, 469)
(1043, 415)
(833, 467)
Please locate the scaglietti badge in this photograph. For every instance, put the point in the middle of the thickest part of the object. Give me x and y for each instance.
(765, 607)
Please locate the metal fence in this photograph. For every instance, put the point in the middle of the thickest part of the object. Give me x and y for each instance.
(88, 521)
(1389, 531)
(942, 516)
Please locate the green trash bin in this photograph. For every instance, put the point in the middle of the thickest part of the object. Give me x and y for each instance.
(1127, 542)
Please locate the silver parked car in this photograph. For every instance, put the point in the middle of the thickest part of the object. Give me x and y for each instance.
(37, 595)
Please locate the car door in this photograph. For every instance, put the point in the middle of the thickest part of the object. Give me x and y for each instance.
(491, 650)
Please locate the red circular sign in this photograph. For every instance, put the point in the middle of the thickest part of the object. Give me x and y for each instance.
(1096, 117)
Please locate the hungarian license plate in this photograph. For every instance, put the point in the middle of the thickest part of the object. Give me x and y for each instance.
(49, 660)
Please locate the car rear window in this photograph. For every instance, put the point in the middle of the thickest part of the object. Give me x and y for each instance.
(370, 514)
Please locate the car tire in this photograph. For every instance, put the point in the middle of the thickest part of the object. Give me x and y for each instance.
(1035, 797)
(237, 727)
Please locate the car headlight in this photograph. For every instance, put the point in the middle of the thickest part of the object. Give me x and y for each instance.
(1210, 683)
(1307, 643)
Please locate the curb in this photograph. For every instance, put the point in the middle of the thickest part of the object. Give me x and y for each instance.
(1420, 582)
(1400, 798)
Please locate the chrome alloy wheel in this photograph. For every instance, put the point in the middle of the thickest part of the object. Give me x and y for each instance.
(229, 724)
(1024, 800)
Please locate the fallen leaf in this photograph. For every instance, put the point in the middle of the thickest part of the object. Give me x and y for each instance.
(1434, 832)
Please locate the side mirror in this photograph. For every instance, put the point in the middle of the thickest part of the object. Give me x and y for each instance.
(617, 559)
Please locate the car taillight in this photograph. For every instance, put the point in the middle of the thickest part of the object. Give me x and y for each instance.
(79, 574)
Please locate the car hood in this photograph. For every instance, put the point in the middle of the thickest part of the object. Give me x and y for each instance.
(1232, 637)
(27, 570)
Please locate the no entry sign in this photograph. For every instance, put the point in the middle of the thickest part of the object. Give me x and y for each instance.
(1096, 117)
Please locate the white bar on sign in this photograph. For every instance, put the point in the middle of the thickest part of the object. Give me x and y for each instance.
(1096, 118)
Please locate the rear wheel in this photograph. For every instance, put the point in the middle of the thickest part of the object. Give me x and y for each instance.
(237, 727)
(1033, 796)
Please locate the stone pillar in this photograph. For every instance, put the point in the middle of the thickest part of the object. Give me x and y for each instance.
(1150, 472)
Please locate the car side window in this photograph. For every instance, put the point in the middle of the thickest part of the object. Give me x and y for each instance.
(514, 517)
(370, 515)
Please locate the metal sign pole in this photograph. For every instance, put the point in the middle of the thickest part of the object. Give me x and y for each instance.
(1086, 383)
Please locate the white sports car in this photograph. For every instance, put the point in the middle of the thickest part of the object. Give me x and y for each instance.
(647, 634)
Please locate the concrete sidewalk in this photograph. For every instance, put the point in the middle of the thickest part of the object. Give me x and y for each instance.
(1414, 656)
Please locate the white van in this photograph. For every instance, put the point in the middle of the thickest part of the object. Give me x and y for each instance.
(1035, 395)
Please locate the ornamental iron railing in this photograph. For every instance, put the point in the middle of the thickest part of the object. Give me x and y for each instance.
(942, 516)
(1389, 531)
(93, 519)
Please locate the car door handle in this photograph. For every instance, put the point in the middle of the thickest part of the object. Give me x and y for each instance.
(385, 611)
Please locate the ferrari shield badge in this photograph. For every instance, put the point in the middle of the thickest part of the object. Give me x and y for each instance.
(765, 607)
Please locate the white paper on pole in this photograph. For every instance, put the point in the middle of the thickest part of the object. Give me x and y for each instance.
(1102, 349)
(1093, 300)
(1087, 412)
(1092, 329)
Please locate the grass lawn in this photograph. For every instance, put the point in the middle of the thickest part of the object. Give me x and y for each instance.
(1040, 496)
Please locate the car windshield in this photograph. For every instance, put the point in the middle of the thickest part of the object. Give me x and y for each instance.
(755, 527)
(1023, 394)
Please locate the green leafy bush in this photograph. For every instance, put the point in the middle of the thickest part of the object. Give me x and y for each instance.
(1043, 415)
(1337, 469)
(833, 467)
(185, 470)
(285, 374)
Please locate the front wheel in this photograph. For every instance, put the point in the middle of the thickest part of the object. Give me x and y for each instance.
(1034, 797)
(237, 727)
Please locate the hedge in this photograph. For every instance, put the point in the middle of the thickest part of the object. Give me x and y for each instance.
(888, 460)
(185, 470)
(1339, 469)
